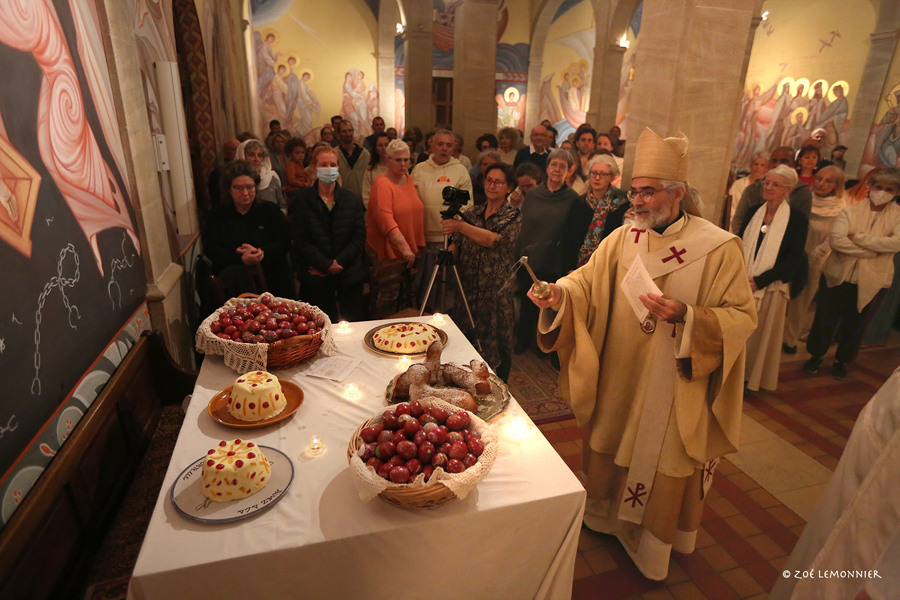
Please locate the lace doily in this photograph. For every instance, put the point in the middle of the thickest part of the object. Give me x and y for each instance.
(252, 357)
(369, 484)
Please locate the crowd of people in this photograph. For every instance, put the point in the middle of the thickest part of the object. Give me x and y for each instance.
(349, 209)
(655, 379)
(341, 211)
(808, 266)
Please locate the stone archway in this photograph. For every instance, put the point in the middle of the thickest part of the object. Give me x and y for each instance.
(611, 18)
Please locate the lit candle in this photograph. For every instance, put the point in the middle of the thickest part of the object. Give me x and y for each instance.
(352, 392)
(519, 428)
(438, 319)
(403, 363)
(343, 327)
(315, 446)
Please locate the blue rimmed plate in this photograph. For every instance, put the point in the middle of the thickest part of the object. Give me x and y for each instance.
(188, 499)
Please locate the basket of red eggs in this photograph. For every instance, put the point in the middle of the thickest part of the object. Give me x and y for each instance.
(263, 332)
(421, 454)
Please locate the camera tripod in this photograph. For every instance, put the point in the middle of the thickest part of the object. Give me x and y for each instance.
(446, 259)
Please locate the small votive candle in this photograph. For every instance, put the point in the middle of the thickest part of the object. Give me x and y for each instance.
(352, 392)
(403, 363)
(343, 327)
(315, 446)
(519, 428)
(438, 319)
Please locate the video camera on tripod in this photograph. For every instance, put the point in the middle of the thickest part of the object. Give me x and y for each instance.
(455, 199)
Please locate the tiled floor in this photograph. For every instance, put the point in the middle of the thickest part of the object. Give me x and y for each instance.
(792, 440)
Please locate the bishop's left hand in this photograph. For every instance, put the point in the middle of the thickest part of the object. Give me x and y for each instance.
(664, 308)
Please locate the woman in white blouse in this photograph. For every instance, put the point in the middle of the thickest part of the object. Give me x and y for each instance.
(828, 202)
(863, 240)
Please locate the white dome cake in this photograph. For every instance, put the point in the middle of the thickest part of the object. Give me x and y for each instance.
(234, 470)
(256, 396)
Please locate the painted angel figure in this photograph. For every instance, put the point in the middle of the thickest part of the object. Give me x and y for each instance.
(887, 136)
(307, 104)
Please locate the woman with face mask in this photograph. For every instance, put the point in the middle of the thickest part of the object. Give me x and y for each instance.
(328, 227)
(269, 188)
(827, 203)
(863, 240)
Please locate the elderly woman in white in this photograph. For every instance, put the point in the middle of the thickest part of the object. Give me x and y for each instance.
(774, 252)
(863, 239)
(269, 187)
(827, 203)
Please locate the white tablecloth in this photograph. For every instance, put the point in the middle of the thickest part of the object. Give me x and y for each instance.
(515, 536)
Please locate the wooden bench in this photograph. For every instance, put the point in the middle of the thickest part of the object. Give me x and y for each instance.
(47, 546)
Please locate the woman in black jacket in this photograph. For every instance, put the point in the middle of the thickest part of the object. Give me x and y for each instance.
(244, 231)
(328, 226)
(774, 252)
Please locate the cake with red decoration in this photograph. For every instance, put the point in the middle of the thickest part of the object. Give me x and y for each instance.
(233, 470)
(405, 338)
(256, 396)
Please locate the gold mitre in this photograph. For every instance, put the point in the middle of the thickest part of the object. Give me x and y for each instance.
(660, 158)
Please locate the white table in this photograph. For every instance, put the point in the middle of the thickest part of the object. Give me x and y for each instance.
(515, 536)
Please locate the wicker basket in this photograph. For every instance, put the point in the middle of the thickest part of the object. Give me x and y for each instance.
(283, 353)
(434, 493)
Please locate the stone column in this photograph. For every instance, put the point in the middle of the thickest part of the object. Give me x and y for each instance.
(164, 290)
(688, 78)
(417, 37)
(475, 66)
(388, 17)
(605, 86)
(881, 51)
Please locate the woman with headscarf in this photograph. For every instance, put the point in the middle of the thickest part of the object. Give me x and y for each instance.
(269, 187)
(828, 202)
(863, 240)
(774, 253)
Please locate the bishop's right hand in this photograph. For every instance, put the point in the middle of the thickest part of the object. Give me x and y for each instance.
(550, 301)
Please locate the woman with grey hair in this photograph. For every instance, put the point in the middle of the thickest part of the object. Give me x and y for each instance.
(554, 222)
(863, 240)
(827, 203)
(774, 240)
(608, 202)
(269, 188)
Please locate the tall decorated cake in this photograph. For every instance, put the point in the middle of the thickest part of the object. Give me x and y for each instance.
(256, 396)
(234, 470)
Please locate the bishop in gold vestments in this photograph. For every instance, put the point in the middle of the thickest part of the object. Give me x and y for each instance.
(660, 396)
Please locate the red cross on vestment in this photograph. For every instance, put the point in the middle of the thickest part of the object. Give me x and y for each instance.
(675, 254)
(638, 232)
(636, 494)
(710, 467)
